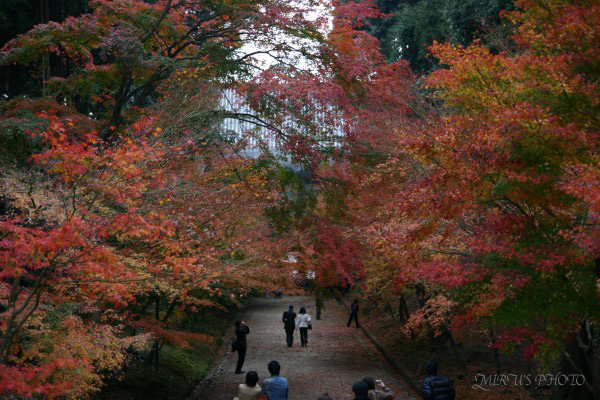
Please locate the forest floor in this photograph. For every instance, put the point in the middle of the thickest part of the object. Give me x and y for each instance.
(179, 369)
(471, 345)
(335, 358)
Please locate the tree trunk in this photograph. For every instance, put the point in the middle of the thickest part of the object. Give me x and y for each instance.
(388, 308)
(454, 348)
(45, 14)
(421, 294)
(153, 356)
(578, 358)
(169, 311)
(121, 98)
(495, 352)
(157, 349)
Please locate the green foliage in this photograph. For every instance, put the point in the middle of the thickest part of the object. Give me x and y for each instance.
(16, 144)
(296, 199)
(335, 196)
(415, 24)
(180, 370)
(19, 16)
(319, 298)
(559, 297)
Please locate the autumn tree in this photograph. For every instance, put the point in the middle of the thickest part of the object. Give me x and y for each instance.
(409, 27)
(476, 188)
(135, 210)
(492, 200)
(121, 52)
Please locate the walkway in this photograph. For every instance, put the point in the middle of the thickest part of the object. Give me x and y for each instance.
(335, 358)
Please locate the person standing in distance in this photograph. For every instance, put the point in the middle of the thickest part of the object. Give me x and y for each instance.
(241, 330)
(353, 313)
(289, 324)
(319, 304)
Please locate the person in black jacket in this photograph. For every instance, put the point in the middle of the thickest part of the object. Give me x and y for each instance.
(241, 330)
(289, 324)
(353, 313)
(360, 390)
(436, 387)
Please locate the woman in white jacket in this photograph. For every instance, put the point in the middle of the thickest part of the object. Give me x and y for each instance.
(303, 324)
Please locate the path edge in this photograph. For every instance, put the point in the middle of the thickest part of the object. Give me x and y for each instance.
(218, 359)
(393, 363)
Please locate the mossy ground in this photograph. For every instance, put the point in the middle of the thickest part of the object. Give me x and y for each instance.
(179, 369)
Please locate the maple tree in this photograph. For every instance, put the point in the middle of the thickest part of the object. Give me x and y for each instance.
(332, 117)
(479, 184)
(475, 188)
(141, 221)
(141, 215)
(119, 54)
(492, 200)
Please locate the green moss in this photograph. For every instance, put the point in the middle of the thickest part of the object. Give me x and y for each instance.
(179, 370)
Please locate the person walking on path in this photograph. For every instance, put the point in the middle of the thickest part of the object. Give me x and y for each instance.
(382, 393)
(360, 390)
(436, 387)
(319, 304)
(249, 390)
(353, 313)
(276, 387)
(303, 324)
(289, 324)
(241, 330)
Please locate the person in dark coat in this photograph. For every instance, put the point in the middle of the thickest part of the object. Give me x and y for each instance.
(353, 313)
(325, 397)
(241, 330)
(436, 387)
(289, 324)
(319, 304)
(360, 390)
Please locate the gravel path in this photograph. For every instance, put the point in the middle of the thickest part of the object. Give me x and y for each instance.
(335, 358)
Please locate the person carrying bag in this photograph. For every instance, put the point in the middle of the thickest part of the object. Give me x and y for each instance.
(266, 395)
(303, 324)
(240, 344)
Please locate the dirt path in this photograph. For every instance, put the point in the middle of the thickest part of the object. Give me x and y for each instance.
(335, 358)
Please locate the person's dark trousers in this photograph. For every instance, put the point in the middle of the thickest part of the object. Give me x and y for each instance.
(289, 337)
(318, 312)
(354, 317)
(304, 336)
(241, 359)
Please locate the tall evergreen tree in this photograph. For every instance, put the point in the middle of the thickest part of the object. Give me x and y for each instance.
(18, 17)
(413, 25)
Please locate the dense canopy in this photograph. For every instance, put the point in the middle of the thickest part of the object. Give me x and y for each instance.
(452, 149)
